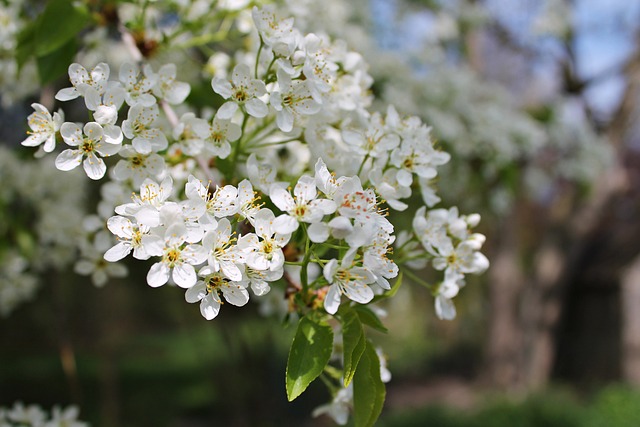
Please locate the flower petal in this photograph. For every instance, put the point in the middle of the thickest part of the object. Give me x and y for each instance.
(158, 275)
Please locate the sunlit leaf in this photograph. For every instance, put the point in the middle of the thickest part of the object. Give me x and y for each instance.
(309, 354)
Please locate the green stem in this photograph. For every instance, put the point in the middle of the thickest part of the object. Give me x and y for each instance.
(366, 157)
(255, 72)
(417, 279)
(305, 261)
(238, 148)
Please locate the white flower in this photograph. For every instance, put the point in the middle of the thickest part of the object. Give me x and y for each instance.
(292, 99)
(419, 157)
(130, 238)
(431, 230)
(138, 85)
(241, 91)
(374, 140)
(188, 140)
(211, 205)
(82, 80)
(339, 407)
(137, 167)
(93, 264)
(168, 88)
(349, 280)
(145, 207)
(389, 188)
(265, 254)
(279, 35)
(217, 135)
(259, 279)
(208, 290)
(177, 260)
(43, 128)
(65, 418)
(463, 259)
(247, 207)
(95, 141)
(222, 255)
(105, 105)
(139, 127)
(261, 174)
(303, 206)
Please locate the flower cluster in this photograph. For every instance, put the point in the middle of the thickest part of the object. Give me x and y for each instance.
(35, 416)
(286, 179)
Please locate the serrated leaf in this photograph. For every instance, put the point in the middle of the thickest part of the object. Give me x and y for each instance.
(56, 63)
(353, 342)
(309, 354)
(369, 318)
(368, 389)
(60, 22)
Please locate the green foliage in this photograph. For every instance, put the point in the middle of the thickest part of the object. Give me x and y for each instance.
(60, 22)
(369, 318)
(368, 389)
(615, 406)
(354, 342)
(309, 354)
(51, 38)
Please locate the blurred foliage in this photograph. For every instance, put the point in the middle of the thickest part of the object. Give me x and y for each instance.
(615, 406)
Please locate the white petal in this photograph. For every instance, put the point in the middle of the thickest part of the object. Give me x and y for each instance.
(284, 120)
(68, 159)
(119, 251)
(332, 299)
(67, 94)
(94, 167)
(358, 292)
(196, 293)
(281, 198)
(158, 275)
(84, 267)
(305, 189)
(318, 232)
(285, 224)
(184, 275)
(257, 108)
(235, 295)
(227, 110)
(445, 309)
(209, 307)
(222, 87)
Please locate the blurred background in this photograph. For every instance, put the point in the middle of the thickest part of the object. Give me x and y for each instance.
(538, 103)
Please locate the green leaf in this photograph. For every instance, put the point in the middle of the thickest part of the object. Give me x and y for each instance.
(59, 23)
(368, 389)
(309, 354)
(26, 44)
(56, 63)
(353, 342)
(369, 318)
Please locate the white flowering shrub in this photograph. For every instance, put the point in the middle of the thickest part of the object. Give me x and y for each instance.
(264, 170)
(21, 415)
